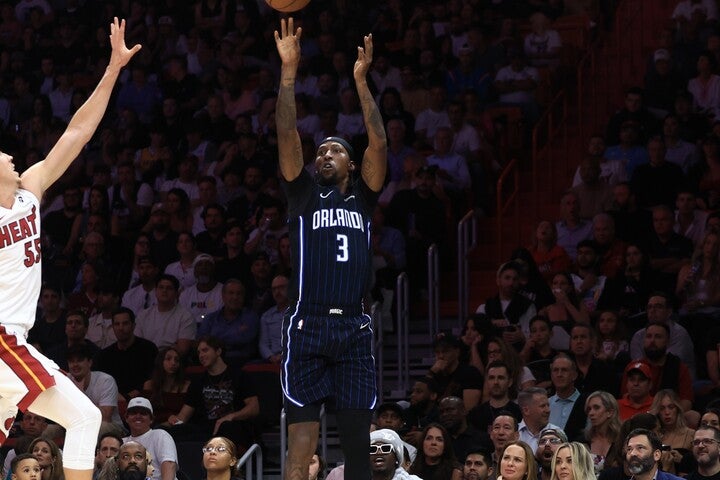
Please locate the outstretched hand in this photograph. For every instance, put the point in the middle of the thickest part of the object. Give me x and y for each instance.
(121, 55)
(288, 41)
(362, 64)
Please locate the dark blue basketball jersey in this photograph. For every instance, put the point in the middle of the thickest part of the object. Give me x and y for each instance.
(330, 239)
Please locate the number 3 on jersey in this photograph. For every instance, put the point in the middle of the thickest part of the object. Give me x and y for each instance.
(32, 255)
(342, 255)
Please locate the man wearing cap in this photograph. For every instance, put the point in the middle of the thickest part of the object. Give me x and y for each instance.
(549, 441)
(142, 296)
(236, 324)
(130, 359)
(662, 82)
(206, 295)
(167, 323)
(453, 377)
(637, 398)
(329, 219)
(159, 443)
(389, 415)
(536, 415)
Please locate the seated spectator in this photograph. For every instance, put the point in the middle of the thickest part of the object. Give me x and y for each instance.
(159, 443)
(587, 279)
(603, 429)
(705, 88)
(258, 293)
(531, 284)
(432, 118)
(567, 405)
(464, 436)
(612, 345)
(536, 415)
(453, 377)
(167, 386)
(498, 383)
(674, 431)
(163, 240)
(495, 349)
(516, 84)
(612, 172)
(593, 373)
(264, 238)
(668, 250)
(567, 310)
(610, 249)
(550, 257)
(220, 402)
(49, 458)
(695, 11)
(142, 296)
(549, 442)
(436, 455)
(656, 183)
(233, 263)
(179, 210)
(108, 446)
(206, 295)
(630, 150)
(698, 287)
(49, 327)
(76, 327)
(167, 323)
(659, 310)
(99, 387)
(452, 168)
(537, 352)
(210, 240)
(184, 269)
(31, 427)
(235, 323)
(100, 330)
(542, 45)
(388, 260)
(702, 176)
(632, 224)
(423, 409)
(270, 341)
(637, 398)
(130, 200)
(682, 153)
(689, 219)
(635, 112)
(662, 81)
(571, 228)
(129, 359)
(393, 464)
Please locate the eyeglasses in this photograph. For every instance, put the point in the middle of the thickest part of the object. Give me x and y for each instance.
(705, 442)
(550, 440)
(218, 449)
(382, 448)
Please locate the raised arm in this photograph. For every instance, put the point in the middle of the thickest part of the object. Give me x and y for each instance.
(83, 124)
(289, 146)
(374, 162)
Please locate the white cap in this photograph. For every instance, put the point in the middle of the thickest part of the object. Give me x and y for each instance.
(140, 402)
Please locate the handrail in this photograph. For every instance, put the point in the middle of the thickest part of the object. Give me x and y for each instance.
(378, 346)
(253, 456)
(433, 265)
(467, 241)
(503, 206)
(403, 326)
(284, 439)
(553, 123)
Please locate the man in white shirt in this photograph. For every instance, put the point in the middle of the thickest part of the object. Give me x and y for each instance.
(158, 443)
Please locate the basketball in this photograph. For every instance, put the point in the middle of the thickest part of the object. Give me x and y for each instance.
(287, 5)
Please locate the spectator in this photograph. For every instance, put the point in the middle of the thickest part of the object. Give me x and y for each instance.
(516, 83)
(702, 175)
(571, 228)
(572, 461)
(435, 457)
(589, 283)
(610, 249)
(662, 81)
(537, 352)
(130, 200)
(159, 443)
(498, 383)
(612, 344)
(210, 240)
(163, 240)
(593, 373)
(100, 330)
(542, 45)
(550, 257)
(678, 151)
(643, 451)
(269, 344)
(567, 311)
(219, 402)
(705, 88)
(536, 413)
(142, 296)
(423, 409)
(49, 328)
(518, 462)
(567, 405)
(220, 458)
(603, 429)
(631, 223)
(264, 238)
(129, 359)
(388, 465)
(689, 219)
(464, 436)
(453, 377)
(108, 446)
(612, 172)
(167, 385)
(549, 442)
(184, 269)
(706, 452)
(434, 117)
(76, 327)
(49, 457)
(674, 432)
(167, 323)
(637, 398)
(635, 112)
(656, 183)
(206, 295)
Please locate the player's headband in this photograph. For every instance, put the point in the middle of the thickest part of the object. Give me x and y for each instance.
(344, 143)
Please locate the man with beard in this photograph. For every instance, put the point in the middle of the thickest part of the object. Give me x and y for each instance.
(668, 370)
(477, 465)
(550, 440)
(464, 436)
(706, 450)
(132, 461)
(387, 457)
(423, 409)
(642, 454)
(504, 430)
(497, 382)
(139, 417)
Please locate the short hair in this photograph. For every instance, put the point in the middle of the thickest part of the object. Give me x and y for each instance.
(506, 413)
(170, 278)
(213, 342)
(511, 265)
(652, 437)
(541, 318)
(526, 396)
(81, 351)
(19, 458)
(126, 310)
(591, 331)
(108, 435)
(565, 356)
(715, 431)
(498, 364)
(431, 384)
(482, 451)
(233, 281)
(81, 314)
(662, 325)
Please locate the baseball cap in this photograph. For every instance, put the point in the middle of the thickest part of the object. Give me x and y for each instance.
(384, 407)
(204, 257)
(555, 432)
(642, 367)
(661, 54)
(446, 340)
(140, 402)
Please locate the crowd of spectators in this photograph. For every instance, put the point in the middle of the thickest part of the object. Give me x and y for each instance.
(165, 244)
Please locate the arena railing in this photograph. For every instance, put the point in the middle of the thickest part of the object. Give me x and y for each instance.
(510, 176)
(252, 458)
(433, 266)
(402, 311)
(466, 243)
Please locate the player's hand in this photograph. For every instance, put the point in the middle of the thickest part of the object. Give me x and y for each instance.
(288, 42)
(121, 55)
(362, 64)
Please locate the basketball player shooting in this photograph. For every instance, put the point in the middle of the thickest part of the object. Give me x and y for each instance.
(28, 380)
(327, 337)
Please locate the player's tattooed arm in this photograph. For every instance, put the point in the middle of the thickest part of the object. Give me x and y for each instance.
(289, 145)
(374, 162)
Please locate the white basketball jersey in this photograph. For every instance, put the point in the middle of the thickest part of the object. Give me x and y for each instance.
(20, 266)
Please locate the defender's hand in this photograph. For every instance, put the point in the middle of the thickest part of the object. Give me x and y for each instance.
(362, 64)
(288, 42)
(121, 55)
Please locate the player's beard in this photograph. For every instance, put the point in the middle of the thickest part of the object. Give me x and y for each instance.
(330, 181)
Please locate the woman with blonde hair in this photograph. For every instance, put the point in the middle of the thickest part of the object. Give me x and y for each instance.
(517, 462)
(675, 433)
(603, 428)
(572, 461)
